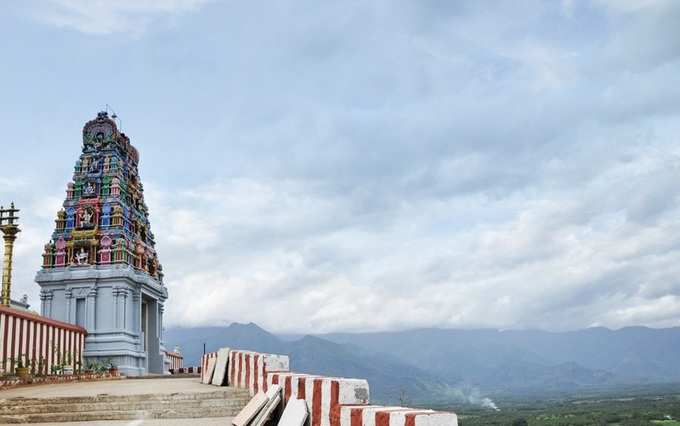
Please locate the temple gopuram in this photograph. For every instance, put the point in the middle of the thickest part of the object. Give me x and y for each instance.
(100, 269)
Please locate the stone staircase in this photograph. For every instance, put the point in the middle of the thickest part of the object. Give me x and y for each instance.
(226, 402)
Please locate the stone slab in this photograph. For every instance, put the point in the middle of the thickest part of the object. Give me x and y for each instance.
(220, 375)
(274, 396)
(207, 378)
(251, 410)
(295, 413)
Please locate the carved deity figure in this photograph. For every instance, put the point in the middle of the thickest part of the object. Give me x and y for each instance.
(94, 166)
(89, 189)
(81, 257)
(85, 218)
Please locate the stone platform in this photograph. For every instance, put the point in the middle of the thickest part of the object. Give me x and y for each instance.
(136, 402)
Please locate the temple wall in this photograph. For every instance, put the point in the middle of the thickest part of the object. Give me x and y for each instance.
(41, 341)
(108, 301)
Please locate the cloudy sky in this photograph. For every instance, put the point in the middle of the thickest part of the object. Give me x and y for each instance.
(368, 165)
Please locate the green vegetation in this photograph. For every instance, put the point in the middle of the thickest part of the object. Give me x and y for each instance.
(610, 410)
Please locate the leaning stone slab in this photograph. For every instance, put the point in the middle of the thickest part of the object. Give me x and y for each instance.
(204, 365)
(209, 371)
(245, 416)
(220, 376)
(274, 400)
(295, 413)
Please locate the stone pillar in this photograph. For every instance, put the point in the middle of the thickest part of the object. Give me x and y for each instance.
(155, 364)
(91, 304)
(123, 308)
(137, 316)
(10, 232)
(115, 292)
(46, 303)
(161, 309)
(70, 309)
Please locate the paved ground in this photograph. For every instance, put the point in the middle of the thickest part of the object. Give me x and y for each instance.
(172, 422)
(110, 387)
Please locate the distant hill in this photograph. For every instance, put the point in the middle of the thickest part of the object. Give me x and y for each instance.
(389, 378)
(438, 365)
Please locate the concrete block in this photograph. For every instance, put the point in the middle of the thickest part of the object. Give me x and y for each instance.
(274, 400)
(220, 375)
(323, 394)
(209, 371)
(373, 415)
(204, 364)
(248, 369)
(295, 413)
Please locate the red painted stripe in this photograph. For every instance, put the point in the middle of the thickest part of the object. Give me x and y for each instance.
(335, 402)
(12, 351)
(67, 337)
(264, 375)
(239, 378)
(247, 383)
(60, 345)
(35, 343)
(287, 389)
(38, 345)
(232, 368)
(43, 346)
(316, 403)
(356, 417)
(48, 348)
(301, 388)
(275, 379)
(256, 385)
(20, 340)
(4, 343)
(411, 418)
(382, 418)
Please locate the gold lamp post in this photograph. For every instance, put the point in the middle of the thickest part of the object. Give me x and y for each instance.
(9, 229)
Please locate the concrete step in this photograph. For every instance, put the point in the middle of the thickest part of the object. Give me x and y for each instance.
(110, 415)
(225, 402)
(228, 393)
(170, 412)
(19, 409)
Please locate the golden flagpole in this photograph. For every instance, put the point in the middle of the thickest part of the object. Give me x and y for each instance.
(9, 229)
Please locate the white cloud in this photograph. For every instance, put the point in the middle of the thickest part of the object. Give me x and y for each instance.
(364, 166)
(286, 256)
(107, 17)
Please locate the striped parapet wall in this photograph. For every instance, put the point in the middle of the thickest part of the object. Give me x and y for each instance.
(374, 415)
(324, 395)
(249, 369)
(331, 401)
(40, 342)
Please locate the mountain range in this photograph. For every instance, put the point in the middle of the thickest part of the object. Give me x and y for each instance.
(444, 365)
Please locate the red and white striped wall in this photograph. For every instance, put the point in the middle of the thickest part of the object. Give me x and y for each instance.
(34, 337)
(249, 369)
(332, 401)
(373, 415)
(204, 362)
(176, 360)
(324, 395)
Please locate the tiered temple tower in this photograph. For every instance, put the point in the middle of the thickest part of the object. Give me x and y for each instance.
(100, 269)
